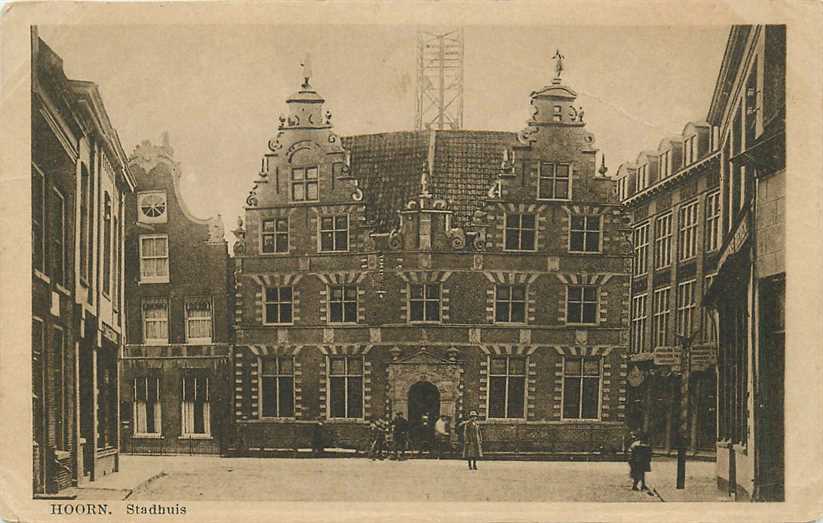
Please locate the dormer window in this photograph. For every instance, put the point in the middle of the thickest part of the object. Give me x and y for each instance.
(690, 150)
(152, 207)
(304, 186)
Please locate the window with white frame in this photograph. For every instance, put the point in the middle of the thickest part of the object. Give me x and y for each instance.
(424, 302)
(277, 394)
(641, 248)
(687, 233)
(199, 320)
(346, 386)
(581, 387)
(584, 234)
(554, 182)
(343, 304)
(690, 150)
(685, 307)
(713, 221)
(639, 319)
(660, 319)
(507, 386)
(581, 305)
(154, 258)
(510, 304)
(195, 407)
(664, 164)
(642, 179)
(304, 184)
(334, 233)
(520, 232)
(38, 219)
(147, 411)
(275, 235)
(155, 320)
(57, 245)
(152, 207)
(278, 305)
(86, 225)
(663, 241)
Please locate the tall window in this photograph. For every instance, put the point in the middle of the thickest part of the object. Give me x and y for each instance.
(198, 320)
(424, 302)
(581, 305)
(710, 326)
(85, 223)
(685, 308)
(660, 321)
(713, 221)
(107, 231)
(154, 259)
(664, 164)
(510, 304)
(663, 241)
(687, 234)
(346, 386)
(642, 180)
(57, 247)
(584, 234)
(343, 304)
(276, 235)
(581, 387)
(520, 232)
(641, 249)
(507, 387)
(554, 181)
(639, 319)
(304, 184)
(277, 375)
(117, 250)
(155, 320)
(147, 410)
(195, 408)
(690, 150)
(279, 305)
(38, 219)
(334, 233)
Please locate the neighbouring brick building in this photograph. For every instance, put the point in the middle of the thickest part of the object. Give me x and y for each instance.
(432, 272)
(79, 183)
(748, 108)
(673, 197)
(175, 366)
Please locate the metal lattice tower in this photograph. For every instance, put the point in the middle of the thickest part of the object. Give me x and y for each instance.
(439, 79)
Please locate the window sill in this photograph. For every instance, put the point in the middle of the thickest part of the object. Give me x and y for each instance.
(342, 323)
(553, 199)
(504, 421)
(156, 342)
(333, 252)
(41, 276)
(581, 420)
(64, 291)
(424, 322)
(263, 253)
(195, 436)
(510, 324)
(61, 455)
(147, 436)
(521, 251)
(278, 324)
(582, 324)
(586, 253)
(199, 341)
(153, 281)
(277, 419)
(347, 420)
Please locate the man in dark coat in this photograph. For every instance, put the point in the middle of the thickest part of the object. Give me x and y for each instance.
(472, 440)
(401, 435)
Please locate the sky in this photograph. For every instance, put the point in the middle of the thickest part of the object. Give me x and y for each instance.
(218, 89)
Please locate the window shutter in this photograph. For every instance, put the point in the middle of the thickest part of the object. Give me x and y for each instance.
(152, 392)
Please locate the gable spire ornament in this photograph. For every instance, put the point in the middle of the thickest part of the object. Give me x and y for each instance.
(306, 65)
(558, 64)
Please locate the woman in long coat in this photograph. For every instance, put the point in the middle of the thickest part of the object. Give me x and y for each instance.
(472, 440)
(640, 457)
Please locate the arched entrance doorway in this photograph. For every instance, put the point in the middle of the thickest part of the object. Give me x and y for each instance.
(424, 398)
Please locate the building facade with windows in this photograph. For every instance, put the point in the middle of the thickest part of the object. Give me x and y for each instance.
(432, 272)
(79, 183)
(175, 366)
(748, 108)
(672, 196)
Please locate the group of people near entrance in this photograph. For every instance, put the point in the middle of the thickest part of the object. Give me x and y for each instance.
(432, 434)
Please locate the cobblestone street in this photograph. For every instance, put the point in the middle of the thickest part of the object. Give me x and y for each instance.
(185, 478)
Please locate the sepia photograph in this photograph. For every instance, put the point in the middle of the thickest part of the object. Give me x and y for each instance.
(422, 263)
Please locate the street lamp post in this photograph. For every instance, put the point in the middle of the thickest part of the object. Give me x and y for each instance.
(685, 377)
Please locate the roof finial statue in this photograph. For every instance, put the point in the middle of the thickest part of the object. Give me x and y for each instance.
(306, 70)
(603, 169)
(558, 63)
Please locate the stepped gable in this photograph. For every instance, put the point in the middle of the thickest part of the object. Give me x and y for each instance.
(462, 164)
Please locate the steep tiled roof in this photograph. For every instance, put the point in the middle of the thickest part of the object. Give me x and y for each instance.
(388, 167)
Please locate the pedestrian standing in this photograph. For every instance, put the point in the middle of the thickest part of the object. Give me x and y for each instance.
(640, 458)
(472, 440)
(318, 438)
(378, 438)
(441, 435)
(401, 435)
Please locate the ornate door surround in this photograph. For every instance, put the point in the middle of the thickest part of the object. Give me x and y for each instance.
(425, 367)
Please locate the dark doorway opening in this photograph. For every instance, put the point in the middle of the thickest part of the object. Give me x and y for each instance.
(424, 398)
